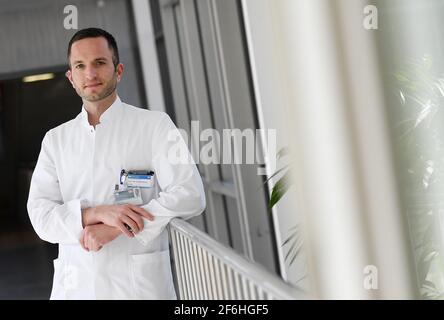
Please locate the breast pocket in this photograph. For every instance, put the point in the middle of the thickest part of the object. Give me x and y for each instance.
(151, 276)
(151, 192)
(148, 194)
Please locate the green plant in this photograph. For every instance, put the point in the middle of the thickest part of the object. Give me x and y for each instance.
(419, 144)
(293, 242)
(282, 185)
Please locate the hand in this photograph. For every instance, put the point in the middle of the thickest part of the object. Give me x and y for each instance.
(121, 216)
(94, 237)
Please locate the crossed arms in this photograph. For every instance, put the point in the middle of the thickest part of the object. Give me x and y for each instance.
(102, 224)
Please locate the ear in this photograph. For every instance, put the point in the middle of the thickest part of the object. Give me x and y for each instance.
(119, 70)
(68, 74)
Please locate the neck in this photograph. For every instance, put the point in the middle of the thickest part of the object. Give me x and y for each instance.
(96, 108)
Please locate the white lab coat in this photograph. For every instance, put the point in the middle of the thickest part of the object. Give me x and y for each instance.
(78, 167)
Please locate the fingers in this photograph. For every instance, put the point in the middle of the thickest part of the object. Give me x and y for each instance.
(137, 219)
(130, 223)
(82, 241)
(124, 230)
(131, 216)
(93, 244)
(88, 241)
(141, 211)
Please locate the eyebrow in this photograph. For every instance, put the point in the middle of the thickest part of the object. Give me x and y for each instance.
(97, 59)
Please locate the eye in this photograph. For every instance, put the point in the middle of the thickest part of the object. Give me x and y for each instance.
(79, 66)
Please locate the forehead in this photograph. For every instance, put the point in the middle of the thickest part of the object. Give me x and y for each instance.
(90, 49)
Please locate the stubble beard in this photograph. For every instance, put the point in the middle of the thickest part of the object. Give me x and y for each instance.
(106, 92)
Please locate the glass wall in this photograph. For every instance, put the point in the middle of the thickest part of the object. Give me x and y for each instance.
(411, 48)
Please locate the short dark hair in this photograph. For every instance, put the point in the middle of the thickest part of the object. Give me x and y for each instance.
(95, 33)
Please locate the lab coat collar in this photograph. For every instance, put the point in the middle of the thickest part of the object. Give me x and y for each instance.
(111, 113)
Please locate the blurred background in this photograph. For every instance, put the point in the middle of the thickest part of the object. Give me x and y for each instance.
(353, 89)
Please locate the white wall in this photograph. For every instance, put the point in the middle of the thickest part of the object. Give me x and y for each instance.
(270, 98)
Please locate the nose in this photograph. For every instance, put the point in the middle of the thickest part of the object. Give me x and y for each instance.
(90, 73)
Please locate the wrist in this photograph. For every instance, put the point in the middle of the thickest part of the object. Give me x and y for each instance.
(90, 216)
(96, 216)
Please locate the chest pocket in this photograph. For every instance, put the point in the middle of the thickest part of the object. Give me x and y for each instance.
(148, 190)
(150, 193)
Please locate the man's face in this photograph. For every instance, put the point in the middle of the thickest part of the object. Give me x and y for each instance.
(92, 73)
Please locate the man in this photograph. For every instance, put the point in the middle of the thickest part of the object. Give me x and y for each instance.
(109, 250)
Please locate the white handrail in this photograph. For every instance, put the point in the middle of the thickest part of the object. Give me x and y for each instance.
(206, 269)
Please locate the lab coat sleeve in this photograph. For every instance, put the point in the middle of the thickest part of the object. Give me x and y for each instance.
(53, 220)
(182, 193)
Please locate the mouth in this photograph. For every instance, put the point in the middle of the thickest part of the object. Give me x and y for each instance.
(93, 85)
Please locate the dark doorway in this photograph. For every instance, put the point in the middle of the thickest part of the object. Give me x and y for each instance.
(27, 111)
